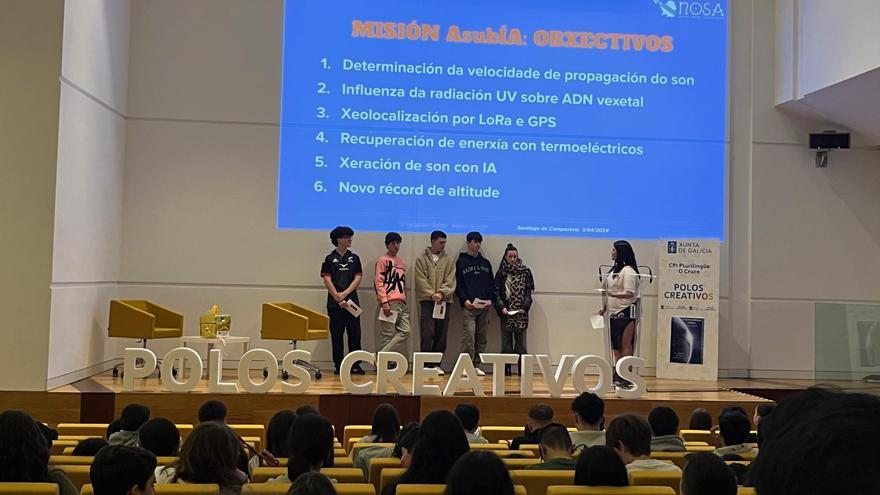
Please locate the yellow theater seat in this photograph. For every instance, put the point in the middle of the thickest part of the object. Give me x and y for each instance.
(173, 489)
(504, 454)
(610, 490)
(78, 475)
(282, 488)
(745, 490)
(489, 446)
(184, 430)
(519, 463)
(29, 488)
(536, 481)
(340, 474)
(698, 436)
(354, 431)
(377, 464)
(439, 489)
(88, 430)
(70, 460)
(531, 446)
(243, 430)
(291, 322)
(671, 479)
(59, 446)
(142, 320)
(339, 452)
(345, 462)
(388, 476)
(495, 434)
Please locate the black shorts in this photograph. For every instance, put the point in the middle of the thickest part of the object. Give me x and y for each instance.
(618, 323)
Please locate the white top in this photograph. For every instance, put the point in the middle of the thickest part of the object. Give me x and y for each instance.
(651, 465)
(626, 280)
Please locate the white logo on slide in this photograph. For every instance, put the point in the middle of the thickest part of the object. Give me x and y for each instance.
(667, 7)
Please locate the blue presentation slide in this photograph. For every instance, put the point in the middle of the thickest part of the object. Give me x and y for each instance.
(575, 118)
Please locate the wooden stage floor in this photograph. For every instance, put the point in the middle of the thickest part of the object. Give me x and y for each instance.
(100, 399)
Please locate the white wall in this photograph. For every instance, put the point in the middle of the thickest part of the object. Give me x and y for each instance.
(30, 58)
(88, 216)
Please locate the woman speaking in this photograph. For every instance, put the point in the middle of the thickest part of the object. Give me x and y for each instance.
(621, 290)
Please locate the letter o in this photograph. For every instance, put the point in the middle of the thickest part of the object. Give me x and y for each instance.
(244, 367)
(189, 359)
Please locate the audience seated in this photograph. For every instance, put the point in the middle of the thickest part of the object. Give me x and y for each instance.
(700, 420)
(664, 424)
(735, 427)
(24, 453)
(469, 415)
(600, 466)
(707, 474)
(589, 416)
(386, 427)
(556, 448)
(89, 447)
(276, 440)
(440, 444)
(123, 470)
(630, 435)
(307, 409)
(820, 441)
(160, 436)
(113, 427)
(309, 444)
(312, 483)
(406, 443)
(213, 410)
(479, 472)
(131, 419)
(540, 416)
(208, 455)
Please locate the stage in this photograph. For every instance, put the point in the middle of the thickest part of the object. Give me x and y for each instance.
(100, 398)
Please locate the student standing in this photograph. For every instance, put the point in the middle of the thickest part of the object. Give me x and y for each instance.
(391, 294)
(513, 299)
(474, 280)
(435, 283)
(342, 273)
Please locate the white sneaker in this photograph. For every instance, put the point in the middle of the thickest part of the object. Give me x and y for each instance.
(439, 370)
(480, 372)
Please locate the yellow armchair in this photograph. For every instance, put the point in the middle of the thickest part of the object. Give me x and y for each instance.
(291, 322)
(143, 320)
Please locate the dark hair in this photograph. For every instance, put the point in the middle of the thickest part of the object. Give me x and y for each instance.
(48, 433)
(407, 439)
(386, 423)
(600, 465)
(474, 236)
(438, 234)
(734, 427)
(392, 237)
(469, 415)
(306, 409)
(631, 430)
(590, 407)
(212, 410)
(339, 232)
(160, 436)
(663, 420)
(24, 452)
(440, 444)
(113, 427)
(707, 474)
(700, 420)
(556, 436)
(133, 416)
(309, 444)
(541, 412)
(276, 433)
(733, 409)
(117, 468)
(625, 257)
(479, 472)
(209, 455)
(312, 484)
(764, 410)
(89, 447)
(510, 247)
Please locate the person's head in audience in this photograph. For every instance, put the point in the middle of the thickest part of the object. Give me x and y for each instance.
(210, 455)
(89, 447)
(820, 441)
(386, 424)
(441, 442)
(123, 470)
(555, 442)
(469, 415)
(630, 435)
(479, 472)
(133, 417)
(700, 420)
(589, 411)
(24, 452)
(735, 427)
(406, 443)
(307, 409)
(49, 434)
(160, 436)
(212, 410)
(761, 412)
(707, 474)
(309, 444)
(276, 433)
(540, 415)
(663, 421)
(312, 483)
(113, 427)
(734, 409)
(600, 465)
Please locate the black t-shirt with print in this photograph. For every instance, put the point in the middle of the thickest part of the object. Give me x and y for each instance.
(341, 269)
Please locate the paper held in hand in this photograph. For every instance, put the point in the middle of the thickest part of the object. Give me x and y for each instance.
(513, 312)
(598, 322)
(440, 310)
(481, 303)
(353, 308)
(390, 319)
